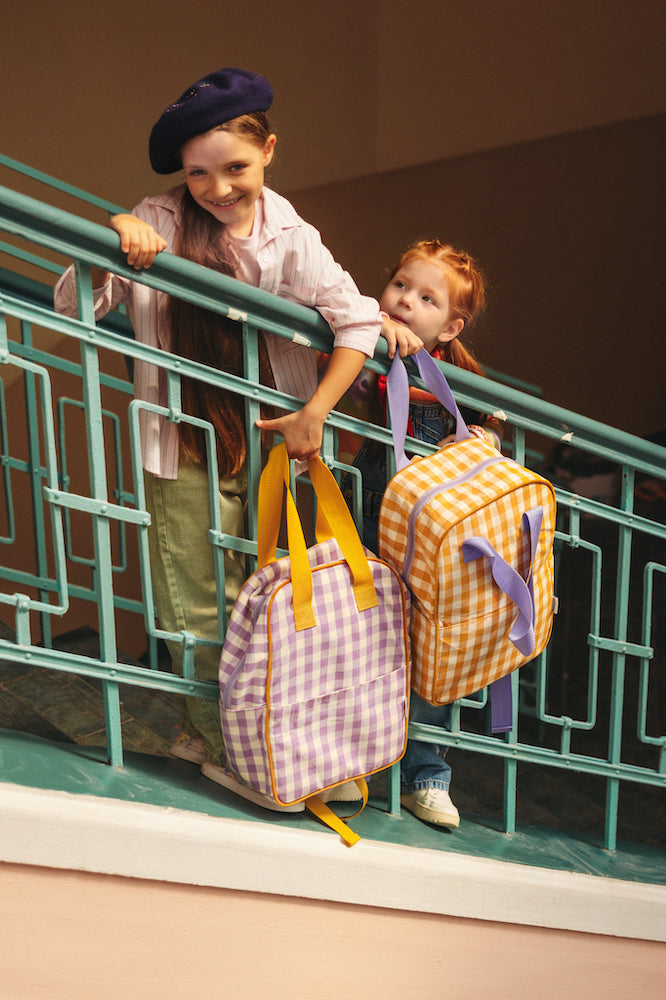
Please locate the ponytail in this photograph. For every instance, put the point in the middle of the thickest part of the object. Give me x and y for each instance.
(457, 354)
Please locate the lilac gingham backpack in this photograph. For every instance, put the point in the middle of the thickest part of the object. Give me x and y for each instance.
(314, 673)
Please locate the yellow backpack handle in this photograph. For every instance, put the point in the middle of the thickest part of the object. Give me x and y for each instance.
(326, 815)
(333, 519)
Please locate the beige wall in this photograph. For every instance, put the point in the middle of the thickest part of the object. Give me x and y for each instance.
(74, 935)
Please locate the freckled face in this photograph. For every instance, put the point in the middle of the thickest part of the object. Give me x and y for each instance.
(418, 297)
(224, 174)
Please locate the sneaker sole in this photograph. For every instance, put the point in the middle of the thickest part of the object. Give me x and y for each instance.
(229, 781)
(430, 815)
(193, 756)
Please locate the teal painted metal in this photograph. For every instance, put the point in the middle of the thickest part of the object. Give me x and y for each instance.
(614, 648)
(34, 460)
(10, 536)
(30, 258)
(71, 502)
(58, 185)
(647, 617)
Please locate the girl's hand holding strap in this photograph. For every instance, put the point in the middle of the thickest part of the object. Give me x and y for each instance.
(481, 432)
(303, 430)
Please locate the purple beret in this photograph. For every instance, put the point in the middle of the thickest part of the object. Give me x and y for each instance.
(215, 99)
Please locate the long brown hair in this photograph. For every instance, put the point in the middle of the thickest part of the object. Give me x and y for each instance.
(208, 337)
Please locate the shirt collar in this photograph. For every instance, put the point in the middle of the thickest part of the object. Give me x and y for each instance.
(279, 215)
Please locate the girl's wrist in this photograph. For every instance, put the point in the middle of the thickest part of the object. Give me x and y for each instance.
(317, 408)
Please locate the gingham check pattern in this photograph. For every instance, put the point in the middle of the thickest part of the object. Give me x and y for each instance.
(302, 711)
(460, 620)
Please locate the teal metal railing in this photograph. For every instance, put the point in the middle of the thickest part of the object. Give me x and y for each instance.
(62, 381)
(56, 184)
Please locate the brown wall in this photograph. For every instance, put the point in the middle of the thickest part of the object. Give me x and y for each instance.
(570, 233)
(361, 86)
(530, 133)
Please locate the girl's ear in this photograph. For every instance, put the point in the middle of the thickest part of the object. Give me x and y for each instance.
(269, 149)
(451, 331)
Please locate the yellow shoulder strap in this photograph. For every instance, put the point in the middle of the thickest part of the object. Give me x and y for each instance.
(337, 520)
(333, 518)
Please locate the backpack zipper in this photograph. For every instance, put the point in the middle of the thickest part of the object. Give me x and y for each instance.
(429, 494)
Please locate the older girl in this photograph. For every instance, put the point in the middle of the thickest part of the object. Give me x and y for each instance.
(222, 216)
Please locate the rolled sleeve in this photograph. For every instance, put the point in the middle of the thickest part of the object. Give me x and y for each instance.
(312, 277)
(105, 298)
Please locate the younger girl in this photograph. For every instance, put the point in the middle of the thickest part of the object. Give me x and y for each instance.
(434, 293)
(222, 216)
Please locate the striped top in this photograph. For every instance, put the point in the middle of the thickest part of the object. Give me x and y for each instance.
(291, 261)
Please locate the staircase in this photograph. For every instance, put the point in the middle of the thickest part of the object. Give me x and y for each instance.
(578, 786)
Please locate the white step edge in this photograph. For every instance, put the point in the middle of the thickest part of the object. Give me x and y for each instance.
(134, 840)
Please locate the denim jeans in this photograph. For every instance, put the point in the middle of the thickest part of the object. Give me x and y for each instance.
(423, 765)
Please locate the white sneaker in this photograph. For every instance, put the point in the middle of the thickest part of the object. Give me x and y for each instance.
(224, 777)
(348, 791)
(434, 805)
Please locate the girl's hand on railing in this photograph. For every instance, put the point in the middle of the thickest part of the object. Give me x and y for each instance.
(399, 336)
(138, 240)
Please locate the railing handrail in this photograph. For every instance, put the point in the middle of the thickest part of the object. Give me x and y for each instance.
(81, 239)
(38, 294)
(58, 185)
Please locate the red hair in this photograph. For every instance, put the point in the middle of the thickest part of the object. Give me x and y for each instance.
(467, 293)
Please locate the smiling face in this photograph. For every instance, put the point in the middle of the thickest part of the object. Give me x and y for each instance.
(418, 296)
(224, 173)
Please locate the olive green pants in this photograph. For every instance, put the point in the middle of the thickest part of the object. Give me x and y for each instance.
(183, 575)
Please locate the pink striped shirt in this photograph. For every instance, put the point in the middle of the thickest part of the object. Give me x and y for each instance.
(293, 263)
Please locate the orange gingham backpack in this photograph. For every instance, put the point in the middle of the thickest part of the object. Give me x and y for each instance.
(471, 532)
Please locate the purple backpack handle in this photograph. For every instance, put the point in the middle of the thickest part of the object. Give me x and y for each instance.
(521, 592)
(509, 581)
(397, 387)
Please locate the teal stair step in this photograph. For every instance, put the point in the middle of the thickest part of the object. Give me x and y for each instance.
(175, 784)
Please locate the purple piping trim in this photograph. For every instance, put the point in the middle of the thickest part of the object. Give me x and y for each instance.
(425, 499)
